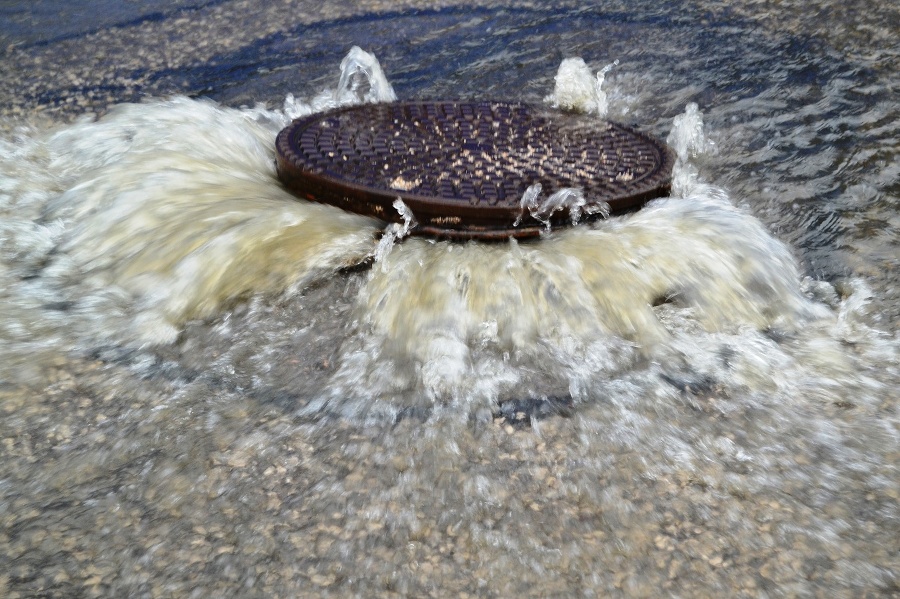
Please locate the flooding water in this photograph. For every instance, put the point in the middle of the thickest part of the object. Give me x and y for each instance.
(206, 392)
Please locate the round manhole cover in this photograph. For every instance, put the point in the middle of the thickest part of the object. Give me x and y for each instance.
(462, 167)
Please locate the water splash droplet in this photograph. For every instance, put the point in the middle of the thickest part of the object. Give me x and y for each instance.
(578, 89)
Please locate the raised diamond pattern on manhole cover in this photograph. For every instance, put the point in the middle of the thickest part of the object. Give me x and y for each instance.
(462, 168)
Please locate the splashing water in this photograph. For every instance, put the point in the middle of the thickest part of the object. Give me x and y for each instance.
(362, 81)
(148, 231)
(569, 199)
(448, 312)
(577, 89)
(166, 211)
(394, 232)
(246, 375)
(688, 141)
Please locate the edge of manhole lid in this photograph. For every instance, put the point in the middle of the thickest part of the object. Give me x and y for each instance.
(463, 167)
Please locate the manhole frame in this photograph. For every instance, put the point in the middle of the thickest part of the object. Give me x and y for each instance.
(442, 217)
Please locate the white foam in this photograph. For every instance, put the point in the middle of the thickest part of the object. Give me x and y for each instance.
(576, 88)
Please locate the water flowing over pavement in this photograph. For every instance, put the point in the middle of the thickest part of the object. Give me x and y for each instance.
(211, 388)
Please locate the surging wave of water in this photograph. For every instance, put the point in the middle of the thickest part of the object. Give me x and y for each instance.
(175, 205)
(439, 314)
(127, 227)
(161, 212)
(471, 323)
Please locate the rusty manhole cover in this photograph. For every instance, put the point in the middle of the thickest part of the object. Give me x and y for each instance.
(462, 167)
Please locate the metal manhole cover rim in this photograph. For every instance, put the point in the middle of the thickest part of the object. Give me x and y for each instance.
(435, 212)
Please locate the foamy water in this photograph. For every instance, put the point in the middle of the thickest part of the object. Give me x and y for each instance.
(168, 211)
(697, 359)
